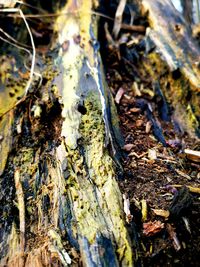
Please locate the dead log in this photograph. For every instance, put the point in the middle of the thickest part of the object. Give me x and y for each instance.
(58, 180)
(173, 61)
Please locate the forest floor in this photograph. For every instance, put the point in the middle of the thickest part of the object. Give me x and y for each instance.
(166, 217)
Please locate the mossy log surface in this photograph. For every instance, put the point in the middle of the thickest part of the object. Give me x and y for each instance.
(173, 60)
(58, 180)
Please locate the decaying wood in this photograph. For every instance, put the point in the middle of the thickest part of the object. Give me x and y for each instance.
(63, 174)
(174, 61)
(192, 155)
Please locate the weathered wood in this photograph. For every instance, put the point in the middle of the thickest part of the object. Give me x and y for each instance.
(174, 62)
(63, 174)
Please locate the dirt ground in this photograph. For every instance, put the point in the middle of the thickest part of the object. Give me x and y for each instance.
(152, 166)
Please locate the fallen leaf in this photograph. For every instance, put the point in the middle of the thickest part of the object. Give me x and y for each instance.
(119, 95)
(152, 228)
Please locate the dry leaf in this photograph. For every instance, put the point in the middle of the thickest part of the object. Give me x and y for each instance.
(152, 228)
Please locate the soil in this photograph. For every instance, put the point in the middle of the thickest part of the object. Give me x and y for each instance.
(153, 162)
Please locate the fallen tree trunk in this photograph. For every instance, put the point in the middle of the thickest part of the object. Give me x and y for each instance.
(62, 181)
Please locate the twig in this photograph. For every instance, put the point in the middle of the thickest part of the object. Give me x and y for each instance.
(135, 28)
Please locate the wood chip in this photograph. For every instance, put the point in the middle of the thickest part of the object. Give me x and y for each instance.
(162, 213)
(139, 123)
(148, 127)
(173, 236)
(152, 155)
(128, 147)
(135, 110)
(127, 209)
(144, 209)
(152, 228)
(183, 174)
(135, 89)
(192, 155)
(119, 95)
(134, 28)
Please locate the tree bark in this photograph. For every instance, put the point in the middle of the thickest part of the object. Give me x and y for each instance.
(58, 180)
(173, 62)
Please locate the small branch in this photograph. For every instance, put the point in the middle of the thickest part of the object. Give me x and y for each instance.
(134, 28)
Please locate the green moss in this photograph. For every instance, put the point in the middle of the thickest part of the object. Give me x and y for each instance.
(12, 84)
(178, 92)
(92, 184)
(192, 118)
